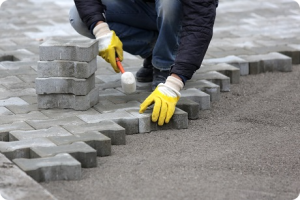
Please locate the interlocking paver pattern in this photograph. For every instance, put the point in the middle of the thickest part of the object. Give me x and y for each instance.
(38, 47)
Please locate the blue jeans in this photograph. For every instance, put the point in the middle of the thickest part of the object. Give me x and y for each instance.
(144, 28)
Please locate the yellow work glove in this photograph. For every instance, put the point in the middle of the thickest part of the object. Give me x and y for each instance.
(109, 44)
(165, 98)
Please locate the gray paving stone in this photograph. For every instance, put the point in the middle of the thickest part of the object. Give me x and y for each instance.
(21, 85)
(233, 60)
(66, 113)
(64, 85)
(59, 167)
(295, 55)
(109, 85)
(22, 117)
(75, 102)
(215, 77)
(143, 87)
(23, 109)
(61, 68)
(106, 106)
(71, 50)
(110, 92)
(145, 122)
(41, 133)
(21, 149)
(228, 70)
(202, 98)
(109, 128)
(82, 152)
(10, 80)
(206, 86)
(28, 78)
(16, 101)
(97, 140)
(48, 123)
(112, 78)
(6, 128)
(3, 72)
(18, 55)
(16, 93)
(179, 120)
(5, 111)
(15, 184)
(291, 51)
(140, 97)
(30, 99)
(123, 118)
(18, 68)
(189, 106)
(268, 62)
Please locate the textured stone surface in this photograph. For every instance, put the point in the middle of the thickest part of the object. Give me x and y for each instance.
(97, 140)
(13, 101)
(189, 106)
(123, 118)
(62, 68)
(17, 55)
(59, 167)
(268, 63)
(233, 60)
(6, 128)
(106, 106)
(48, 123)
(41, 133)
(65, 85)
(9, 119)
(21, 149)
(206, 86)
(202, 98)
(75, 102)
(228, 70)
(82, 152)
(215, 77)
(115, 132)
(71, 50)
(15, 184)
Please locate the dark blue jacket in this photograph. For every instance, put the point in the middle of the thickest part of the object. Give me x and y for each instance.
(197, 30)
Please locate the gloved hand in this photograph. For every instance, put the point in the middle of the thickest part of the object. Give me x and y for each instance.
(165, 98)
(109, 44)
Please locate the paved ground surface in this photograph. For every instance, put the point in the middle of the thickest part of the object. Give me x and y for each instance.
(244, 147)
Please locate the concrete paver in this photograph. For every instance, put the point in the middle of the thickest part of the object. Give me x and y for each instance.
(16, 184)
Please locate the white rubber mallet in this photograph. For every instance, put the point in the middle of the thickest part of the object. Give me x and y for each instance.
(127, 79)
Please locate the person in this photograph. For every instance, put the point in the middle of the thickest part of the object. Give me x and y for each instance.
(172, 36)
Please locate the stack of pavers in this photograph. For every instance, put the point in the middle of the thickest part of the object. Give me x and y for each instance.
(66, 79)
(66, 74)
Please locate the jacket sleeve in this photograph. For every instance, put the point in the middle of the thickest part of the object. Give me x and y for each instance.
(90, 11)
(197, 31)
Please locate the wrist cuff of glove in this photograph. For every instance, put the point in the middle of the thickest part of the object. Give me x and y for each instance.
(101, 30)
(174, 83)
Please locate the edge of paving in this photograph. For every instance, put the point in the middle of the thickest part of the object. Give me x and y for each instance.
(17, 185)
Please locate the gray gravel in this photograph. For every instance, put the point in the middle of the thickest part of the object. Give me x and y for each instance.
(245, 147)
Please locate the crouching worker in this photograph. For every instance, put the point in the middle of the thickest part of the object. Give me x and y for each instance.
(172, 36)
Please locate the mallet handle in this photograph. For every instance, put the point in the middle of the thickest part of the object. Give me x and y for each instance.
(120, 66)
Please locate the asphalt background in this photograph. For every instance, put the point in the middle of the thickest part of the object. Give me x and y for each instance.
(245, 147)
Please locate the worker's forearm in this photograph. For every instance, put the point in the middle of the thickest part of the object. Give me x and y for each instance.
(176, 76)
(99, 22)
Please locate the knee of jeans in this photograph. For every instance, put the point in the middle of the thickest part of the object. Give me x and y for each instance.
(169, 10)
